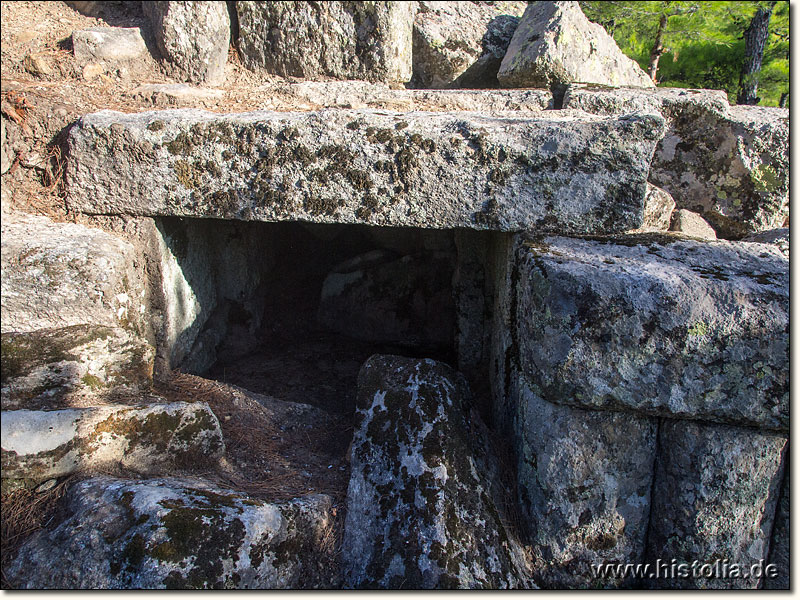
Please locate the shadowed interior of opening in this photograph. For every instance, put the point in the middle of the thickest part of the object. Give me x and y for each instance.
(293, 310)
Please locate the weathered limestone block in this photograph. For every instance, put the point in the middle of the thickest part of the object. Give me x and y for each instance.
(176, 534)
(555, 44)
(780, 546)
(108, 45)
(382, 297)
(657, 324)
(584, 481)
(729, 163)
(777, 237)
(61, 274)
(343, 40)
(658, 207)
(420, 512)
(691, 224)
(714, 498)
(314, 95)
(41, 445)
(74, 365)
(432, 170)
(449, 38)
(193, 37)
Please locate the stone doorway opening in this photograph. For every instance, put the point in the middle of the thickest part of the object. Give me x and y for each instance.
(292, 310)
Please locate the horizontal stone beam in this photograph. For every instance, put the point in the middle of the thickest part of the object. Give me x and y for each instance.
(568, 173)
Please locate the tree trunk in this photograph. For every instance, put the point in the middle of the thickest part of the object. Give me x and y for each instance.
(755, 40)
(784, 99)
(658, 49)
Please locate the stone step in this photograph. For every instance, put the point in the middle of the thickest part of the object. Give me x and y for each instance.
(570, 172)
(43, 444)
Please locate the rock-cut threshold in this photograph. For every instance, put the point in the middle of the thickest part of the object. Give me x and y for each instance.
(359, 348)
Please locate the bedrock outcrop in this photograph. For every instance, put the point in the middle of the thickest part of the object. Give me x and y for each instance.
(564, 173)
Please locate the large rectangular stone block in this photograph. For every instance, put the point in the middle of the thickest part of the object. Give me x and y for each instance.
(656, 324)
(714, 500)
(565, 173)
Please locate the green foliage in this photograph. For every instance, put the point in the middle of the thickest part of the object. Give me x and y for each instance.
(703, 41)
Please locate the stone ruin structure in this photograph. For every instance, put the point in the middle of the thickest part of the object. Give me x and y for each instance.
(506, 255)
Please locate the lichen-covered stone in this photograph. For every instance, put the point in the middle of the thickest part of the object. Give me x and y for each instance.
(691, 224)
(567, 172)
(555, 44)
(658, 207)
(729, 163)
(656, 324)
(420, 508)
(777, 237)
(584, 480)
(53, 368)
(714, 498)
(109, 45)
(193, 37)
(451, 38)
(343, 40)
(780, 544)
(382, 297)
(38, 445)
(62, 274)
(176, 534)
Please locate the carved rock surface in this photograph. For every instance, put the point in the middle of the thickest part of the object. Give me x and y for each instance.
(657, 324)
(729, 163)
(41, 444)
(584, 480)
(714, 498)
(193, 37)
(52, 368)
(556, 44)
(62, 274)
(562, 173)
(420, 512)
(451, 38)
(176, 534)
(342, 40)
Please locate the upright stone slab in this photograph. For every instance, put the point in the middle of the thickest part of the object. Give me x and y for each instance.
(420, 510)
(584, 480)
(780, 544)
(177, 534)
(342, 40)
(658, 325)
(555, 44)
(63, 274)
(714, 500)
(566, 172)
(193, 37)
(729, 163)
(450, 38)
